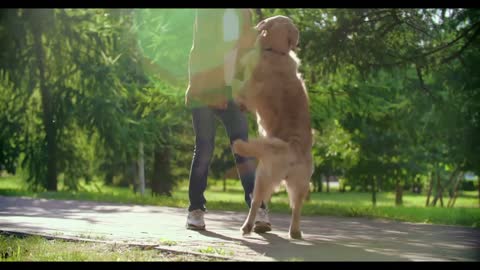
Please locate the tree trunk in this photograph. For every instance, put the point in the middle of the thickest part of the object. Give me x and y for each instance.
(452, 200)
(374, 194)
(328, 183)
(440, 188)
(398, 193)
(478, 180)
(453, 177)
(313, 79)
(109, 178)
(320, 185)
(47, 106)
(133, 179)
(162, 182)
(141, 168)
(430, 189)
(437, 193)
(441, 197)
(224, 184)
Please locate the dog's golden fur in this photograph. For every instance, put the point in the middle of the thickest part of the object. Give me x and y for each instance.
(275, 92)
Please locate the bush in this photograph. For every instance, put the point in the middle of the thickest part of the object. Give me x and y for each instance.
(467, 186)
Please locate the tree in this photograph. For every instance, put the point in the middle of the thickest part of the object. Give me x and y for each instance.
(348, 57)
(65, 56)
(333, 151)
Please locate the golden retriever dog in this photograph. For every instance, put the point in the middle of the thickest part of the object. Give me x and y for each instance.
(275, 92)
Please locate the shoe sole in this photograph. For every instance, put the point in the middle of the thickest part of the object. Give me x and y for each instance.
(262, 228)
(195, 228)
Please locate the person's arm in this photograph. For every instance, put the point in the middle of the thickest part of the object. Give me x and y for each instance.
(198, 76)
(196, 43)
(246, 40)
(248, 32)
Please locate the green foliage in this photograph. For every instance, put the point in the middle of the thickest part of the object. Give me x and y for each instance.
(468, 186)
(165, 39)
(36, 248)
(11, 127)
(394, 94)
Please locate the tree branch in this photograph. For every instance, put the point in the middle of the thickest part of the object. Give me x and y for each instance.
(459, 53)
(420, 78)
(444, 46)
(416, 28)
(439, 48)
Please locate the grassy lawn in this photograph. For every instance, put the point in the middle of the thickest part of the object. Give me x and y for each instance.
(35, 248)
(353, 204)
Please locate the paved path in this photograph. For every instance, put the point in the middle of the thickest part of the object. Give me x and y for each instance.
(325, 238)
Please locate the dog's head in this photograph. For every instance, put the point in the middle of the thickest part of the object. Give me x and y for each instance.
(278, 33)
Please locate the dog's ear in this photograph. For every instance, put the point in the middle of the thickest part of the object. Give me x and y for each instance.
(259, 27)
(264, 37)
(265, 24)
(293, 36)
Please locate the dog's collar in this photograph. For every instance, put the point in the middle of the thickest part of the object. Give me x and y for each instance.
(271, 50)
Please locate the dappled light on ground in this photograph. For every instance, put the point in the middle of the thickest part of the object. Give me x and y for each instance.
(325, 238)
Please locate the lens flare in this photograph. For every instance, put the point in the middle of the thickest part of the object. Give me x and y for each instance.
(165, 39)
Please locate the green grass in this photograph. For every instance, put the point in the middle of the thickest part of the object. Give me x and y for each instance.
(168, 242)
(215, 251)
(35, 248)
(352, 204)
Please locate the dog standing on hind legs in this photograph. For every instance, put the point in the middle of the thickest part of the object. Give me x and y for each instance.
(275, 92)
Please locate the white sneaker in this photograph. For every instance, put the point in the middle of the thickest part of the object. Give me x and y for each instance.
(262, 222)
(195, 220)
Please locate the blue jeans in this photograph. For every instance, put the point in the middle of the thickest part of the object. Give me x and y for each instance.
(236, 125)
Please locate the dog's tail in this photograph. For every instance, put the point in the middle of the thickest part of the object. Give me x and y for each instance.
(260, 147)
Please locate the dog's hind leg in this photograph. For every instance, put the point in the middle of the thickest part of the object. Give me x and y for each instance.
(248, 224)
(297, 191)
(261, 192)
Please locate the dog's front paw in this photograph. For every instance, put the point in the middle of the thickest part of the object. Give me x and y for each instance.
(237, 144)
(240, 101)
(247, 228)
(242, 107)
(295, 234)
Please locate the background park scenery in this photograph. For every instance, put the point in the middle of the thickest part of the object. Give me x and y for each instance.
(92, 108)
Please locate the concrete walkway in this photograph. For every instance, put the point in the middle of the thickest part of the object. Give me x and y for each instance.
(325, 238)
